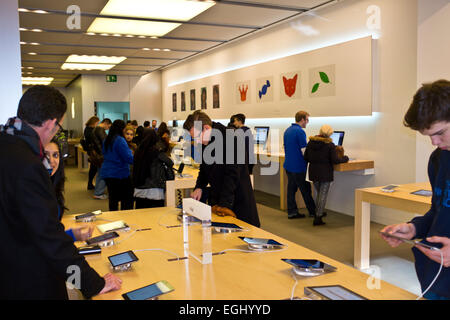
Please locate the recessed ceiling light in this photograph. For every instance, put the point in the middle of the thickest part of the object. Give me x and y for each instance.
(87, 66)
(104, 34)
(90, 33)
(166, 50)
(32, 53)
(103, 63)
(40, 11)
(142, 37)
(153, 37)
(129, 36)
(156, 49)
(37, 80)
(36, 30)
(95, 59)
(146, 49)
(34, 43)
(23, 10)
(181, 10)
(22, 42)
(30, 67)
(23, 29)
(117, 35)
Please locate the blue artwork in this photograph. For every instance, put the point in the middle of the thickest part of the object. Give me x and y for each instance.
(263, 91)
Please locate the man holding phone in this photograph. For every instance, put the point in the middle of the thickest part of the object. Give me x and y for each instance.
(36, 254)
(429, 114)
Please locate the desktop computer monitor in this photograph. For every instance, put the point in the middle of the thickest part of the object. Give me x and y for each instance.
(261, 135)
(338, 137)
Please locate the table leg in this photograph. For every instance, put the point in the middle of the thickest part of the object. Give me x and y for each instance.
(362, 232)
(170, 193)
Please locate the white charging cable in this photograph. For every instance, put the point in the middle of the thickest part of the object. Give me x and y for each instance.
(435, 278)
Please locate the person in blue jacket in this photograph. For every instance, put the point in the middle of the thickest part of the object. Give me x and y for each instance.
(115, 170)
(295, 166)
(429, 113)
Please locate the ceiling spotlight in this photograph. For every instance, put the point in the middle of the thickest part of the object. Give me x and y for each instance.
(22, 42)
(36, 30)
(23, 29)
(90, 33)
(34, 43)
(129, 36)
(32, 53)
(40, 11)
(142, 37)
(153, 37)
(146, 49)
(166, 50)
(156, 49)
(117, 35)
(23, 10)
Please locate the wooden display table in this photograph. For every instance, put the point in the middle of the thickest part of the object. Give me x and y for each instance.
(400, 199)
(234, 275)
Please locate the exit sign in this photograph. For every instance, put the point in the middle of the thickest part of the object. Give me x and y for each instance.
(111, 78)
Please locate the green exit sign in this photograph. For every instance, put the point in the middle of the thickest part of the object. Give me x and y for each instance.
(111, 78)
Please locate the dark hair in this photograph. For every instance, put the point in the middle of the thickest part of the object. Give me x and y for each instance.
(115, 130)
(299, 116)
(59, 179)
(41, 103)
(163, 129)
(134, 123)
(240, 117)
(146, 124)
(197, 116)
(430, 104)
(143, 157)
(92, 121)
(107, 121)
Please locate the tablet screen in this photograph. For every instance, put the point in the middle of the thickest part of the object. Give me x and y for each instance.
(337, 293)
(301, 263)
(260, 241)
(224, 225)
(425, 193)
(122, 258)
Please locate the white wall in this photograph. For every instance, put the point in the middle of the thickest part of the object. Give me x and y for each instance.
(11, 85)
(143, 93)
(433, 50)
(381, 137)
(74, 118)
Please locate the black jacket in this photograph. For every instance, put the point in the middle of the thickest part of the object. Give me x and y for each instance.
(35, 251)
(321, 155)
(230, 183)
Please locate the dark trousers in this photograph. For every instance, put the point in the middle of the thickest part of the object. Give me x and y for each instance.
(297, 181)
(149, 203)
(92, 171)
(120, 190)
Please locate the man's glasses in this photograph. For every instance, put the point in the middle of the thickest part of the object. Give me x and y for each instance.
(60, 127)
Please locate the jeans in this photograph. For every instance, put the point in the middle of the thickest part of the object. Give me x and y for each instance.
(321, 197)
(100, 185)
(120, 190)
(296, 180)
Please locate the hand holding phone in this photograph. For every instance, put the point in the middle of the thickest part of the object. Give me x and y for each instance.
(402, 230)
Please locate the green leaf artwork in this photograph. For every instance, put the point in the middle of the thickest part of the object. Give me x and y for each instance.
(315, 88)
(324, 77)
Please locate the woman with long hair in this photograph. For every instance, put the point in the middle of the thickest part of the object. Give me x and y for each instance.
(53, 154)
(115, 169)
(152, 168)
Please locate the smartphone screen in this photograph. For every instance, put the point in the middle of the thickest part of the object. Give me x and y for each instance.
(261, 241)
(148, 292)
(390, 187)
(103, 237)
(413, 242)
(301, 263)
(224, 225)
(180, 169)
(425, 193)
(122, 258)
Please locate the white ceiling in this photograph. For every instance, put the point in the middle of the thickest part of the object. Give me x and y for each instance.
(227, 20)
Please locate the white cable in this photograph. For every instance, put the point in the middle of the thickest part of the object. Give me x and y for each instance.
(435, 278)
(157, 249)
(160, 217)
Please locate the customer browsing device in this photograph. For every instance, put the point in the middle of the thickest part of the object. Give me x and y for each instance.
(89, 250)
(413, 242)
(122, 261)
(88, 217)
(150, 292)
(105, 240)
(113, 226)
(425, 193)
(338, 137)
(225, 227)
(389, 188)
(309, 267)
(261, 244)
(331, 292)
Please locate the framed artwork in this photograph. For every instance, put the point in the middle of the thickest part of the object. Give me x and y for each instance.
(192, 99)
(183, 101)
(203, 98)
(216, 96)
(174, 102)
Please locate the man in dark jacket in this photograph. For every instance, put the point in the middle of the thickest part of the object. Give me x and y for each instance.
(238, 121)
(429, 114)
(37, 256)
(231, 192)
(98, 136)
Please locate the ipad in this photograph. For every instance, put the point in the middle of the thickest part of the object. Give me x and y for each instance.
(422, 192)
(112, 226)
(149, 292)
(266, 243)
(123, 258)
(413, 242)
(332, 292)
(103, 237)
(222, 225)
